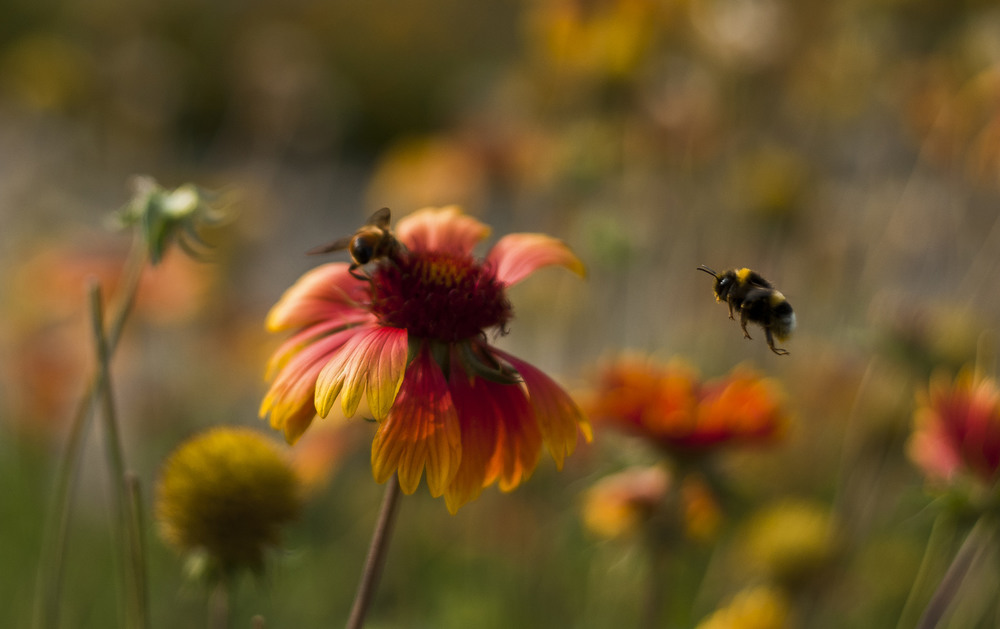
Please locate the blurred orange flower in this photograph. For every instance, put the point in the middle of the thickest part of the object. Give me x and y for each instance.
(957, 428)
(668, 405)
(616, 505)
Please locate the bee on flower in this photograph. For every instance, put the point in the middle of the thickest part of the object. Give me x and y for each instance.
(411, 340)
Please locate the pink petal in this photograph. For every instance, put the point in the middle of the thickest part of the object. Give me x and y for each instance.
(558, 416)
(421, 432)
(297, 342)
(373, 360)
(441, 229)
(517, 256)
(290, 398)
(326, 293)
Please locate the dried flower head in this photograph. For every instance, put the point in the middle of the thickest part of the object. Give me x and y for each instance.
(164, 215)
(226, 494)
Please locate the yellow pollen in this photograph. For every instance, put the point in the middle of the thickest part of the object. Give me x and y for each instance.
(441, 274)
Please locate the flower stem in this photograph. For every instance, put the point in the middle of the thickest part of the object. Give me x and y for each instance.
(971, 548)
(907, 618)
(376, 555)
(219, 603)
(125, 507)
(51, 564)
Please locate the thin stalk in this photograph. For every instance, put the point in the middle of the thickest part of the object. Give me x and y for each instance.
(959, 568)
(120, 498)
(376, 555)
(907, 618)
(51, 564)
(219, 601)
(137, 551)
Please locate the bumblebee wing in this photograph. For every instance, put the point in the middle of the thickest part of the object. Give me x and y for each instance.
(337, 245)
(756, 279)
(380, 218)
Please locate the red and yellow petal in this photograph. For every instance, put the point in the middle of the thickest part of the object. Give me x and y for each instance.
(290, 397)
(444, 229)
(519, 440)
(480, 429)
(421, 432)
(559, 418)
(373, 360)
(517, 256)
(326, 293)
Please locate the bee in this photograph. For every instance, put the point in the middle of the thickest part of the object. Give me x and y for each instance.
(758, 302)
(372, 242)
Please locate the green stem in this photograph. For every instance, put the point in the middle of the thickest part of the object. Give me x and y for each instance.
(120, 497)
(51, 564)
(137, 551)
(971, 548)
(376, 555)
(219, 601)
(907, 618)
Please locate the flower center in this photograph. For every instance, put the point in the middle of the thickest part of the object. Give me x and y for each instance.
(440, 296)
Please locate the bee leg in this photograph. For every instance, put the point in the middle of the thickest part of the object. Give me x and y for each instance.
(770, 343)
(731, 317)
(743, 323)
(353, 270)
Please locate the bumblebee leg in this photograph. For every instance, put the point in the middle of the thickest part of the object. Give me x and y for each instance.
(744, 317)
(770, 343)
(353, 270)
(731, 317)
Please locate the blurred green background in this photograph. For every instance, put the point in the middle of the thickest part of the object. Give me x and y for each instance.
(849, 151)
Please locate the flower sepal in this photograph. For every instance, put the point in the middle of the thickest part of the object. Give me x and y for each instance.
(484, 365)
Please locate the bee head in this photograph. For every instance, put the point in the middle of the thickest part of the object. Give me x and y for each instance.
(723, 283)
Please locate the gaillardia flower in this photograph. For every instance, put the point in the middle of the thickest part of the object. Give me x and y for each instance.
(670, 406)
(411, 341)
(957, 429)
(226, 494)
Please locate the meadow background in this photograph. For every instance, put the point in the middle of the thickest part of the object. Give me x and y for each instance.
(849, 151)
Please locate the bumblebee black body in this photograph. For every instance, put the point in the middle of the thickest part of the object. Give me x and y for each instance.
(757, 301)
(373, 241)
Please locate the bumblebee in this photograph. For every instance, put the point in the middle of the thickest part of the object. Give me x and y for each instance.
(371, 242)
(757, 301)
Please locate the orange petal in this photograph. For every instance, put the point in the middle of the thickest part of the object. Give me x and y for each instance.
(517, 256)
(421, 431)
(558, 416)
(441, 229)
(326, 293)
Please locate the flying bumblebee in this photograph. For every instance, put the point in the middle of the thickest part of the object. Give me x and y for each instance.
(372, 242)
(757, 301)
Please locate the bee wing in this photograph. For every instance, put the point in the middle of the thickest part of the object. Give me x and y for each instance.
(337, 245)
(755, 279)
(380, 218)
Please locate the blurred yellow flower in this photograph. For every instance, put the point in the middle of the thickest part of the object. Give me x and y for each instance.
(790, 539)
(226, 494)
(756, 608)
